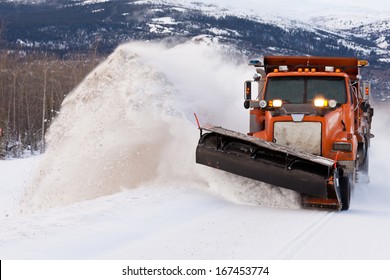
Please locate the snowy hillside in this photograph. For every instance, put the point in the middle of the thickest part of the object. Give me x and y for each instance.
(118, 179)
(354, 18)
(348, 21)
(278, 25)
(343, 14)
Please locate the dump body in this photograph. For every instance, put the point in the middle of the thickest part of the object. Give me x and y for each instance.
(309, 129)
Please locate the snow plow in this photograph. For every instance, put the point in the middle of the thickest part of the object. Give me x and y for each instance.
(309, 129)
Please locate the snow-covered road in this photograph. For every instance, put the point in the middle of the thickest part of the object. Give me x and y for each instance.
(118, 180)
(185, 222)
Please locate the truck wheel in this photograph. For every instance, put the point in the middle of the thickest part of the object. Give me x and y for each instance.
(363, 165)
(345, 191)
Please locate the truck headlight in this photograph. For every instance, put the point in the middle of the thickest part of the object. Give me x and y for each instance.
(276, 103)
(342, 146)
(320, 102)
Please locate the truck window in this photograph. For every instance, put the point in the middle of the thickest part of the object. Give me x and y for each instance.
(289, 89)
(298, 90)
(328, 88)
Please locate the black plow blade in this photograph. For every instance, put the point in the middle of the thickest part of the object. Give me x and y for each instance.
(267, 162)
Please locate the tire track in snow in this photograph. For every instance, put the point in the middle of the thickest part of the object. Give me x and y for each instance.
(303, 234)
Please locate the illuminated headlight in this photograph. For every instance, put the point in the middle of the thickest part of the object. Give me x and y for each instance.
(320, 102)
(342, 146)
(276, 103)
(263, 104)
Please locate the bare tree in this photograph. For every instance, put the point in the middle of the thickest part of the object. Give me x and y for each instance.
(32, 88)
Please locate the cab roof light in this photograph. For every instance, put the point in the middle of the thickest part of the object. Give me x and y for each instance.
(363, 62)
(313, 70)
(329, 69)
(283, 68)
(338, 70)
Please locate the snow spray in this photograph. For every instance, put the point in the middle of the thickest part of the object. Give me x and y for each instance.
(130, 124)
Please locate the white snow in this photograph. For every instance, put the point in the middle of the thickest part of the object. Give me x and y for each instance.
(382, 43)
(164, 20)
(118, 179)
(326, 14)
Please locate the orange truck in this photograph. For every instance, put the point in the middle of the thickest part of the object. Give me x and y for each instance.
(309, 129)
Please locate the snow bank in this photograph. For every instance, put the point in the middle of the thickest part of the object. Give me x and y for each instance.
(14, 176)
(130, 123)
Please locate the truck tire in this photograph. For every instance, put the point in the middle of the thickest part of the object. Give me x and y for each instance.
(345, 191)
(363, 163)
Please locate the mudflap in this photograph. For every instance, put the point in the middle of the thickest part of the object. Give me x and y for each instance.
(313, 176)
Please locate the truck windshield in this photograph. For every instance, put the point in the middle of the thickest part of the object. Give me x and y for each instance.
(298, 90)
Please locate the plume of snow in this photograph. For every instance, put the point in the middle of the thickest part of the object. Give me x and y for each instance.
(130, 124)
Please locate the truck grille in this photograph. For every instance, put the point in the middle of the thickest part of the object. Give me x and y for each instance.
(301, 136)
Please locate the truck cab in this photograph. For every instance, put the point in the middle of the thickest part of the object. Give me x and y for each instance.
(317, 105)
(309, 129)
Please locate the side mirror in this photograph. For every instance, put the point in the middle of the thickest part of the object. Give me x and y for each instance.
(248, 90)
(366, 90)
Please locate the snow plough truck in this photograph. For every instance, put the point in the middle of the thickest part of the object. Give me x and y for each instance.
(309, 129)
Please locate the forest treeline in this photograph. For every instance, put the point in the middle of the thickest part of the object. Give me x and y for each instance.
(32, 88)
